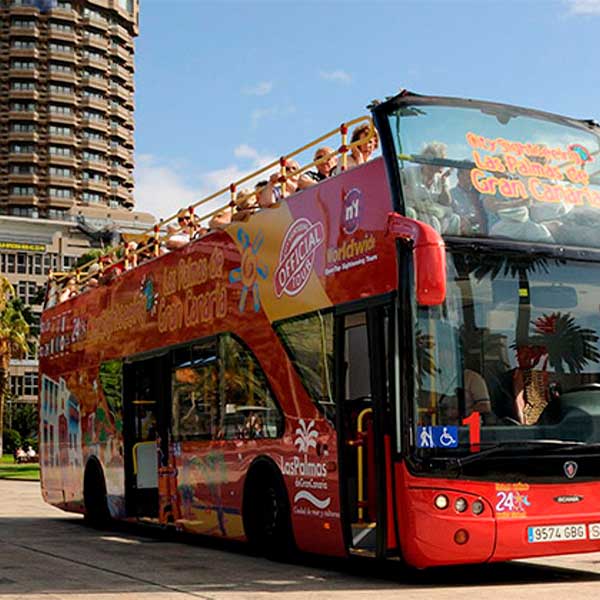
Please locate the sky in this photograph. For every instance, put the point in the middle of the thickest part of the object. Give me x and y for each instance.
(225, 87)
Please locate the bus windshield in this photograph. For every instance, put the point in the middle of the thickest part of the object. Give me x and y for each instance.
(486, 170)
(516, 341)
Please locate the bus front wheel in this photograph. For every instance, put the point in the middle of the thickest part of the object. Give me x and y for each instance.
(266, 515)
(94, 496)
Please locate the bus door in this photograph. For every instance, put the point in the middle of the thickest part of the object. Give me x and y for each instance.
(144, 434)
(362, 350)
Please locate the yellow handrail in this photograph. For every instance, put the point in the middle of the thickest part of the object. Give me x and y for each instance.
(359, 457)
(129, 258)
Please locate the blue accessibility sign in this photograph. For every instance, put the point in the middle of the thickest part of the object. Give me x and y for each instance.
(437, 436)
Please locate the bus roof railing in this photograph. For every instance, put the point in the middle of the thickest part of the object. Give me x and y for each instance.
(151, 239)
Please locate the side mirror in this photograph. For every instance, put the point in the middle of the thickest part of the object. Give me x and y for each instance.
(429, 255)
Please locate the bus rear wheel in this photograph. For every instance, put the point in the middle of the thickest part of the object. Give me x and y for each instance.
(266, 516)
(97, 514)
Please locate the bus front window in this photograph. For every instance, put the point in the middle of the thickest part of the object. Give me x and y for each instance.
(516, 342)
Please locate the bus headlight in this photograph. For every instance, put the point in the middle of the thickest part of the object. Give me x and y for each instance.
(441, 502)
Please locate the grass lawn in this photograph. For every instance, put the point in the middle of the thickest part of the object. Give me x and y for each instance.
(11, 470)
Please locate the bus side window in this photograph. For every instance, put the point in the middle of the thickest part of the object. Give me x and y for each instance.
(250, 410)
(196, 408)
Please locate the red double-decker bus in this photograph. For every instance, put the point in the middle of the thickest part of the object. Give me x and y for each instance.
(400, 361)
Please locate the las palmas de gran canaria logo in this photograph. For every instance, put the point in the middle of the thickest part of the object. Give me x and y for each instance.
(309, 476)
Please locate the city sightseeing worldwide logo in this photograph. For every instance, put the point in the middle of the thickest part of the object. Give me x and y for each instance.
(297, 256)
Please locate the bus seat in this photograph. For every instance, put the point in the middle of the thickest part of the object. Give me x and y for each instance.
(145, 465)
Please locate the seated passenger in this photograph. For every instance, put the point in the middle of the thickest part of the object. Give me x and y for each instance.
(467, 204)
(246, 204)
(273, 192)
(513, 220)
(427, 195)
(221, 219)
(362, 153)
(179, 235)
(70, 290)
(323, 169)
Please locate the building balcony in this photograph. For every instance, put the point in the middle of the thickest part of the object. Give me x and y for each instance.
(93, 61)
(70, 57)
(17, 200)
(62, 118)
(93, 21)
(121, 153)
(23, 115)
(31, 32)
(24, 11)
(121, 53)
(69, 98)
(70, 182)
(22, 179)
(56, 202)
(31, 53)
(23, 94)
(94, 82)
(120, 92)
(121, 112)
(95, 103)
(93, 124)
(122, 193)
(23, 157)
(94, 42)
(24, 73)
(60, 160)
(91, 185)
(23, 136)
(123, 133)
(97, 145)
(63, 140)
(94, 165)
(120, 32)
(62, 76)
(60, 35)
(122, 73)
(121, 172)
(65, 14)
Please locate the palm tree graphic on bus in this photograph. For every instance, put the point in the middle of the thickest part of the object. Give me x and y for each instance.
(307, 436)
(250, 268)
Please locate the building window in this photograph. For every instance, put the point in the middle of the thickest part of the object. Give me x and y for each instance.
(23, 44)
(22, 169)
(22, 148)
(60, 192)
(92, 156)
(16, 385)
(22, 190)
(57, 214)
(8, 262)
(23, 211)
(60, 68)
(91, 176)
(93, 115)
(60, 89)
(91, 197)
(31, 384)
(66, 48)
(23, 127)
(21, 263)
(28, 291)
(59, 26)
(93, 94)
(60, 172)
(23, 106)
(92, 135)
(60, 130)
(23, 23)
(60, 151)
(22, 85)
(64, 4)
(25, 65)
(60, 109)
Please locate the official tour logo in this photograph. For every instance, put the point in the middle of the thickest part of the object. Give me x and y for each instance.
(307, 436)
(297, 256)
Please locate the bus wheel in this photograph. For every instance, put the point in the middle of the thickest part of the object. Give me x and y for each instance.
(94, 496)
(266, 515)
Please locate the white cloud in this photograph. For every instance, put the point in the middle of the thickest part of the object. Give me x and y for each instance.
(262, 88)
(584, 7)
(257, 159)
(259, 114)
(337, 76)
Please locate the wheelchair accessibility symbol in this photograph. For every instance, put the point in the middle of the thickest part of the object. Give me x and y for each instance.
(437, 436)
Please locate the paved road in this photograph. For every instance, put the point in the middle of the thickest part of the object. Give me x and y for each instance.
(46, 554)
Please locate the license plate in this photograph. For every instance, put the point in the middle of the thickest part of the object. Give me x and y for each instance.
(556, 533)
(594, 531)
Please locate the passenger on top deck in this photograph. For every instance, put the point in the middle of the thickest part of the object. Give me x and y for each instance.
(273, 191)
(324, 168)
(362, 153)
(246, 204)
(221, 219)
(426, 191)
(179, 235)
(70, 290)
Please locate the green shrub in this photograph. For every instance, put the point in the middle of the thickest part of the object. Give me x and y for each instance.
(11, 440)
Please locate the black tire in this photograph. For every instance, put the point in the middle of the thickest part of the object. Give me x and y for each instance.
(97, 514)
(266, 515)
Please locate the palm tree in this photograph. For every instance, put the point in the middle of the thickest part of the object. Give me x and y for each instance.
(14, 332)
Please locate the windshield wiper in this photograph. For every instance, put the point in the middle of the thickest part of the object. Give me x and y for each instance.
(524, 445)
